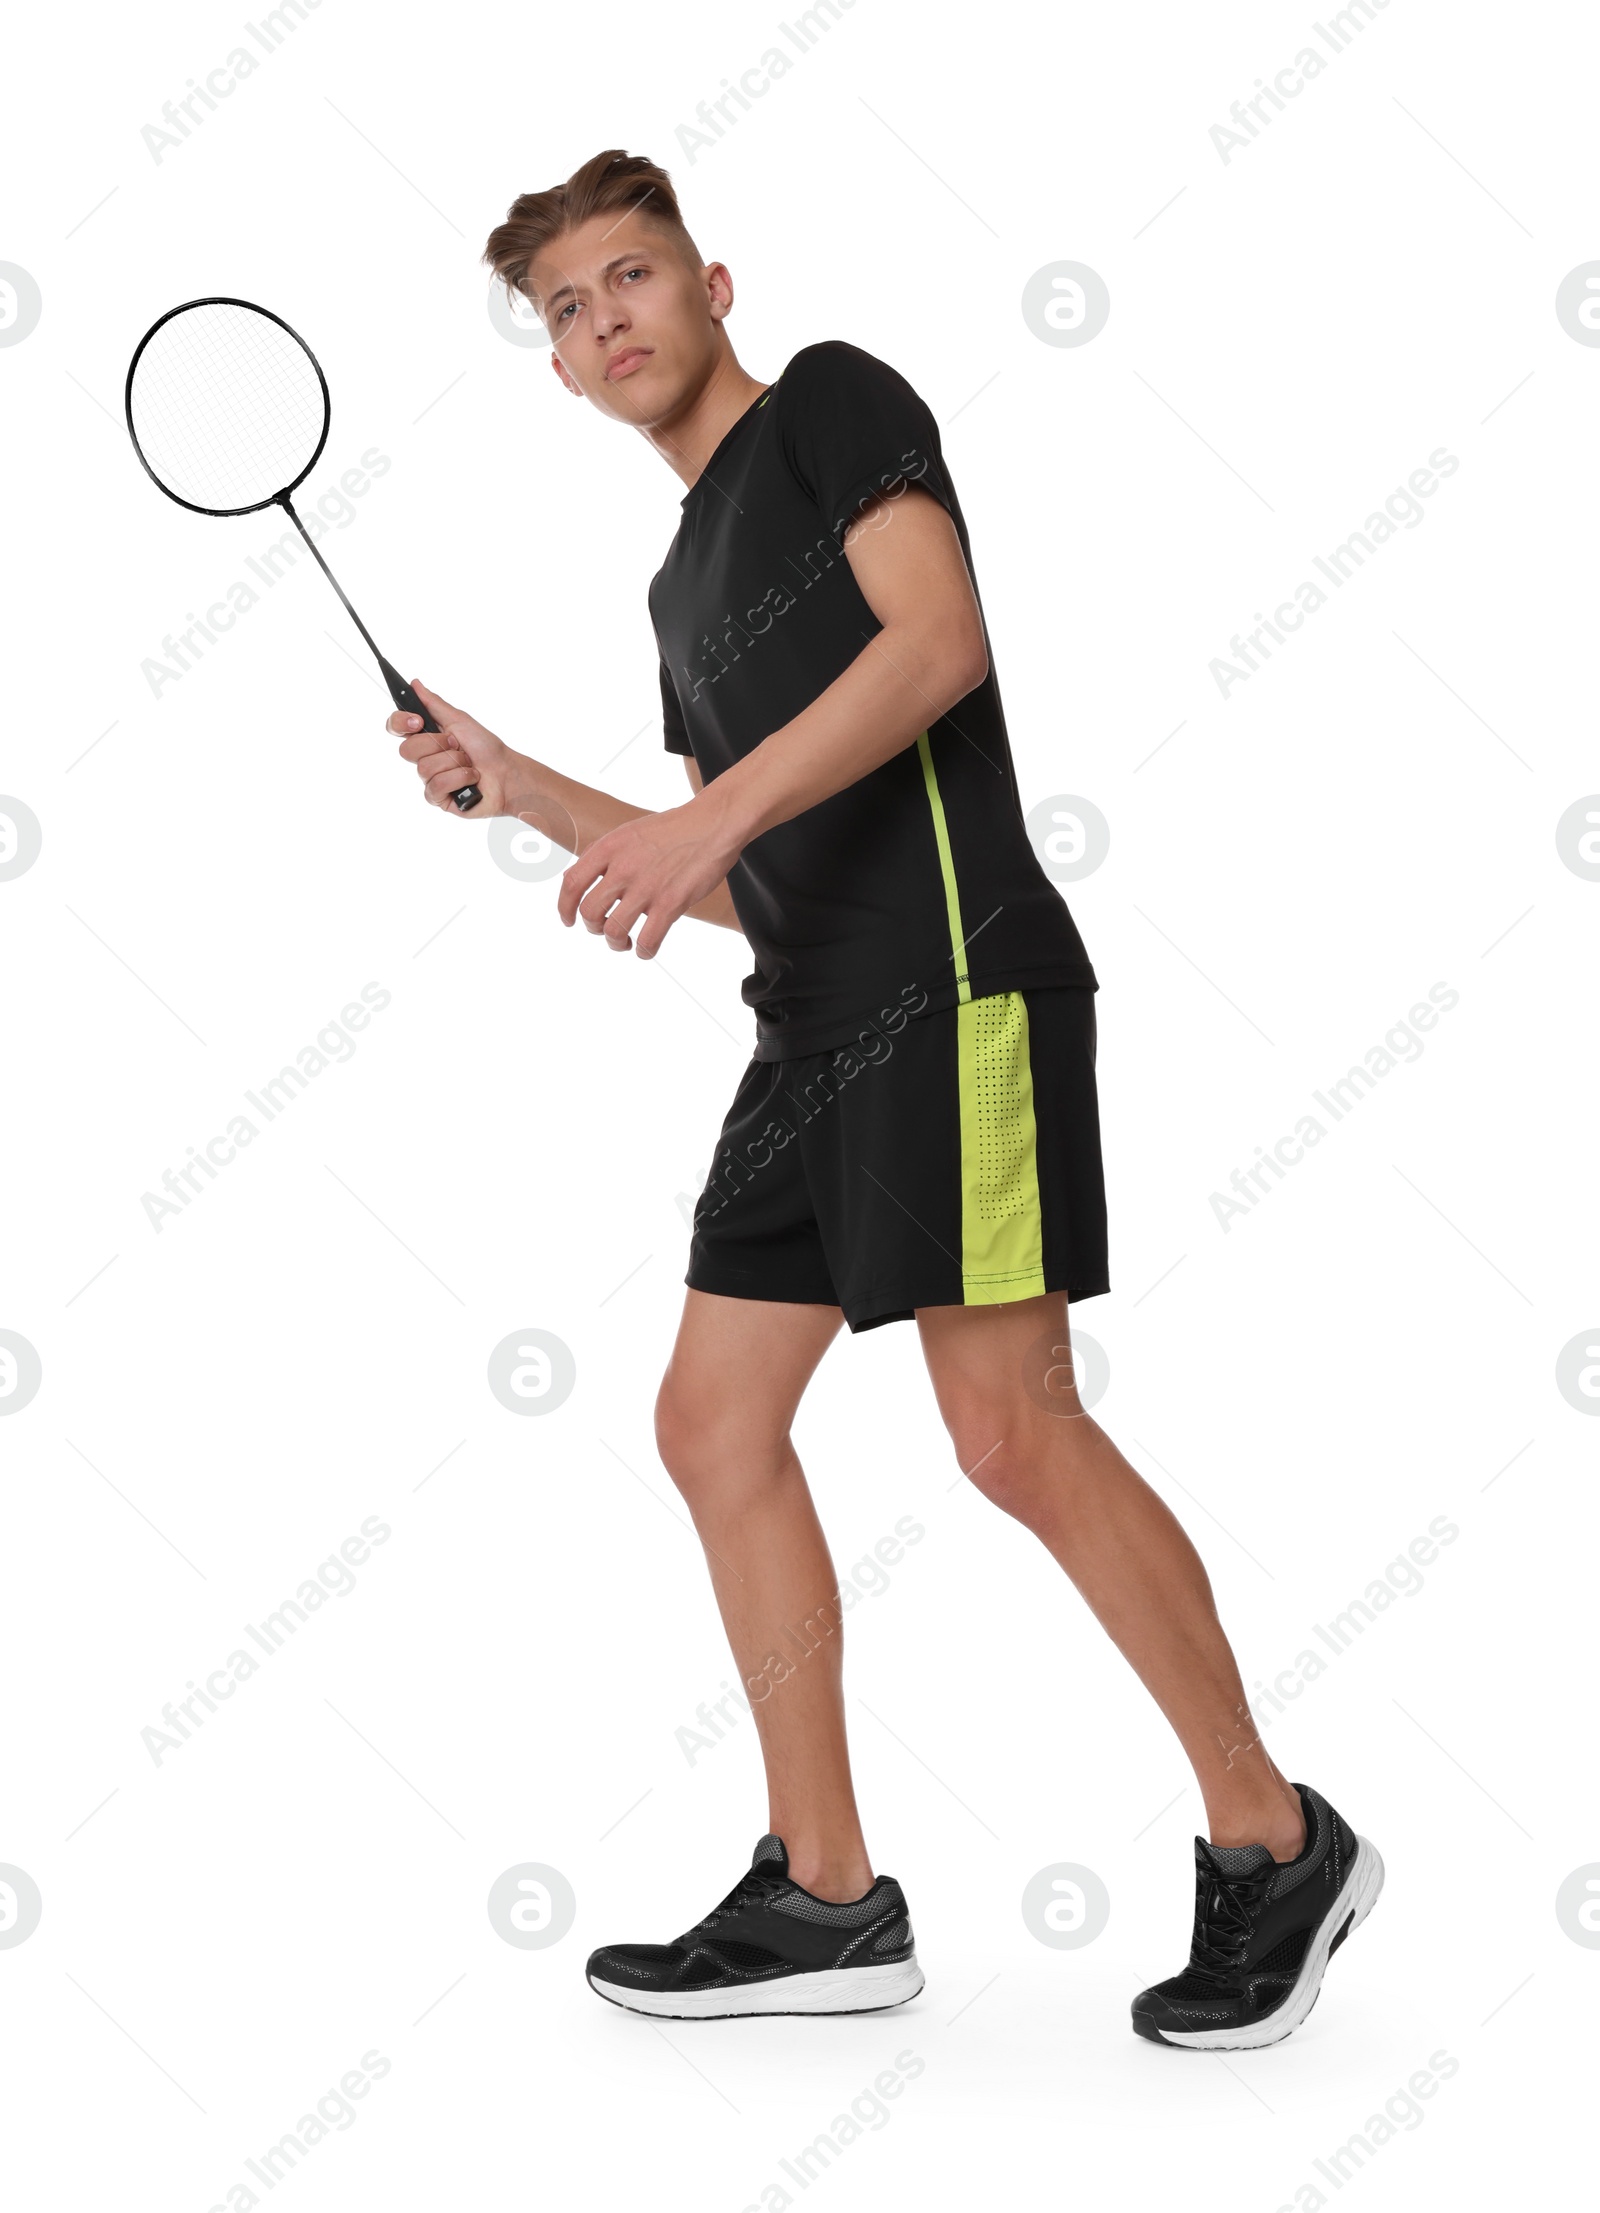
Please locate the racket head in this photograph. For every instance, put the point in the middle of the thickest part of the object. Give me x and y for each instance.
(227, 406)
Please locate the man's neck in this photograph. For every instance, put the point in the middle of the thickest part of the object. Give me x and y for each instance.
(688, 439)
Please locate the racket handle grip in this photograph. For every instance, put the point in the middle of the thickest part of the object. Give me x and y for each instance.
(408, 703)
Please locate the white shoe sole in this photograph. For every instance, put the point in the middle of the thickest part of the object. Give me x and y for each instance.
(1353, 1904)
(833, 1990)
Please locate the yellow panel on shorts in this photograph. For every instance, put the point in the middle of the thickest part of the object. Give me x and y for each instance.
(1002, 1236)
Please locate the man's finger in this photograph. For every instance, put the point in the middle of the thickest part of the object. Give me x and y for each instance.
(440, 709)
(435, 763)
(622, 921)
(654, 931)
(438, 788)
(403, 724)
(598, 904)
(576, 881)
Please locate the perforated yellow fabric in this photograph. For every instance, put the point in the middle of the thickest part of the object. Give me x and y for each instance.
(1002, 1247)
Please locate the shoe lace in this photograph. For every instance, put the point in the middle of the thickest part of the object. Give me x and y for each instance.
(753, 1884)
(1224, 1919)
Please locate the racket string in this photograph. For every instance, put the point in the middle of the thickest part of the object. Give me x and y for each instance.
(227, 406)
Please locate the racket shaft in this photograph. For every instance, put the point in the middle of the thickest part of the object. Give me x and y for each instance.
(400, 691)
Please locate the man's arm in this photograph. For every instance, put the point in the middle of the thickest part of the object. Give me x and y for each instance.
(570, 814)
(929, 653)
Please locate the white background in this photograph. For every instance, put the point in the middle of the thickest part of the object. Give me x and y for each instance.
(1292, 333)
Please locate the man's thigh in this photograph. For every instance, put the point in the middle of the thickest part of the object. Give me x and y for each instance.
(743, 1363)
(1008, 1365)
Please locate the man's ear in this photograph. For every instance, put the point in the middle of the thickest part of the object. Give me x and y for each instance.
(719, 289)
(563, 373)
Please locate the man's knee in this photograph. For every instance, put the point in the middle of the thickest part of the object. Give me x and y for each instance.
(680, 1431)
(706, 1445)
(1000, 1450)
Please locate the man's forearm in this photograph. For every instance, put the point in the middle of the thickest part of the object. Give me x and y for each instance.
(903, 680)
(573, 815)
(570, 814)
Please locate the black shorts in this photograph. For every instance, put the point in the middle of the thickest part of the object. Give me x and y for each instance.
(955, 1162)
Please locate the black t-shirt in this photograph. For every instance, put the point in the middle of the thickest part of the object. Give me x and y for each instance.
(915, 887)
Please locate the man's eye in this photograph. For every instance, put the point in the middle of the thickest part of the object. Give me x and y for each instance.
(633, 273)
(571, 308)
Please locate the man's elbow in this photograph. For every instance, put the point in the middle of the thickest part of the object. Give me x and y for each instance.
(942, 659)
(974, 669)
(963, 665)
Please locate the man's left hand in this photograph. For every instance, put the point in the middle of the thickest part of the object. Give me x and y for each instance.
(650, 870)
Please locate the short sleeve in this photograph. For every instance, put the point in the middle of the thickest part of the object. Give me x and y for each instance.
(852, 427)
(674, 731)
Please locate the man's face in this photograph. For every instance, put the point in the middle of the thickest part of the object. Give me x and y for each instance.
(633, 323)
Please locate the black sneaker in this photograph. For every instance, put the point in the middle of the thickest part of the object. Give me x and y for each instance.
(770, 1947)
(1264, 1931)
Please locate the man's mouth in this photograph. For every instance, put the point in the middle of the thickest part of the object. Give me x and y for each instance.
(624, 363)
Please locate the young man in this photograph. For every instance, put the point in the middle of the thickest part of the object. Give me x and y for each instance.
(917, 1133)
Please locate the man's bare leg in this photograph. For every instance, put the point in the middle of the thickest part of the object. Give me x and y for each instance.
(1063, 1478)
(727, 1400)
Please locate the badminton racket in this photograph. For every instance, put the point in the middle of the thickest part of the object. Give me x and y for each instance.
(228, 410)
